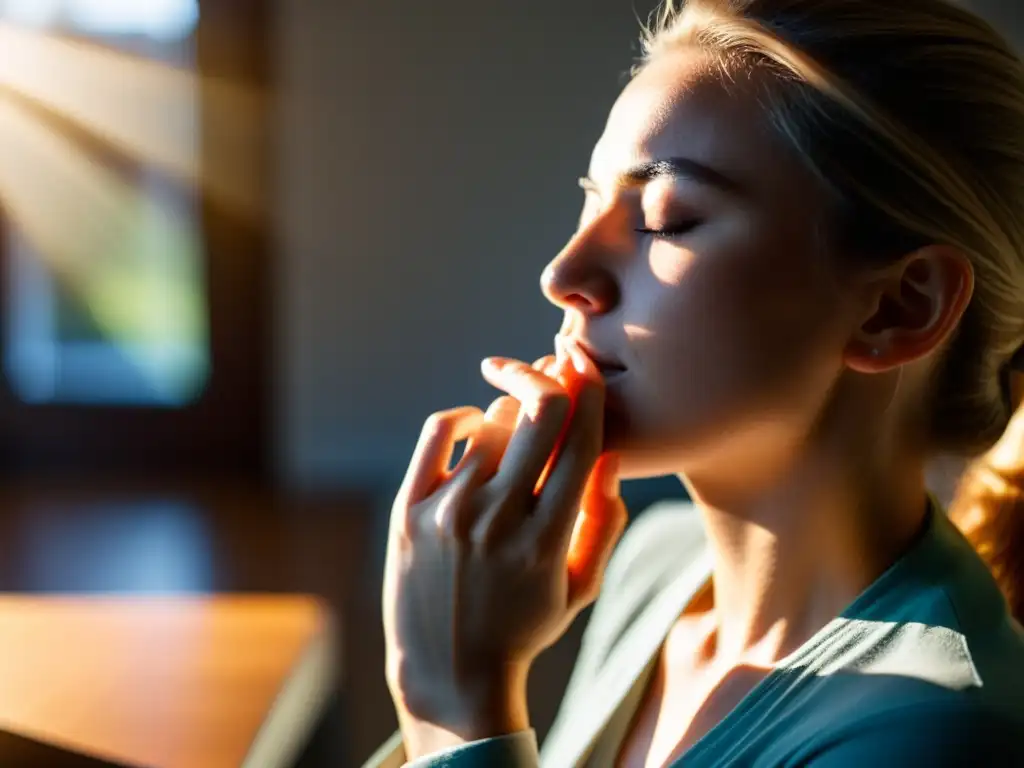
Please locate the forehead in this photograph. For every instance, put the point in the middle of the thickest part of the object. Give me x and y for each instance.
(677, 106)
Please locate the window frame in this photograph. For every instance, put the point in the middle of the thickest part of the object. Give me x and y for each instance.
(226, 429)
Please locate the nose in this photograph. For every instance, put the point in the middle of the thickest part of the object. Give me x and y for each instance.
(580, 277)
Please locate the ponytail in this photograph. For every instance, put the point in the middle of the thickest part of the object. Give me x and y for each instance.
(989, 507)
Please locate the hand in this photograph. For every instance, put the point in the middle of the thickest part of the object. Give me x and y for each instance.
(487, 565)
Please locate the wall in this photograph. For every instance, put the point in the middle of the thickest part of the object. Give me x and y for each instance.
(1006, 15)
(427, 172)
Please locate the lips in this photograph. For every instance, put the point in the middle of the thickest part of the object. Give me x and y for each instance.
(606, 364)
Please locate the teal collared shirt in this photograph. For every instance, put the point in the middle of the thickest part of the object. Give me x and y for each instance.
(925, 667)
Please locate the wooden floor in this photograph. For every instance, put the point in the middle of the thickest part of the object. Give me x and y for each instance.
(222, 537)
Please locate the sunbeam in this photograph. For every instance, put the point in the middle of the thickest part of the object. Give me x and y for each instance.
(145, 109)
(125, 252)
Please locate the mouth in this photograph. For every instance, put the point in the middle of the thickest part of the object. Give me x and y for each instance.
(611, 373)
(609, 367)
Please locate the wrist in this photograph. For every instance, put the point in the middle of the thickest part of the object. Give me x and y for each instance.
(421, 737)
(432, 722)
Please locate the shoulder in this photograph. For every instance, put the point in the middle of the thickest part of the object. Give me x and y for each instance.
(941, 621)
(953, 732)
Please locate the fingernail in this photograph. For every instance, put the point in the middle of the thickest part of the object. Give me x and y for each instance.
(491, 364)
(579, 359)
(561, 353)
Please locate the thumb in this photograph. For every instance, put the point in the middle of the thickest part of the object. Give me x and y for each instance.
(600, 523)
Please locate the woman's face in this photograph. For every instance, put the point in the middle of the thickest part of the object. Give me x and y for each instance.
(700, 269)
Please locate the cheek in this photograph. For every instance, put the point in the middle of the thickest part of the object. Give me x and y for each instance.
(669, 264)
(731, 323)
(683, 336)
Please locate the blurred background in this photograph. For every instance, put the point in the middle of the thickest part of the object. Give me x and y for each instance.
(246, 247)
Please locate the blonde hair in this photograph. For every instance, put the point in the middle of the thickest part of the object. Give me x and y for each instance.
(989, 508)
(911, 114)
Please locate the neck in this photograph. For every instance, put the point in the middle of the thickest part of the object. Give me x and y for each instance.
(790, 557)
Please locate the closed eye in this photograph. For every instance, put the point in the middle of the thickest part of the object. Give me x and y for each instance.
(683, 228)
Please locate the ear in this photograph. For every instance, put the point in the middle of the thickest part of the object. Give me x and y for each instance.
(915, 306)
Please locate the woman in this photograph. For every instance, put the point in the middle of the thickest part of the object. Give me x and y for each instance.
(798, 277)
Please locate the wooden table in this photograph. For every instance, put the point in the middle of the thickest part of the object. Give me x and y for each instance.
(167, 682)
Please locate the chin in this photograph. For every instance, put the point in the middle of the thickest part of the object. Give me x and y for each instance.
(640, 467)
(640, 459)
(646, 452)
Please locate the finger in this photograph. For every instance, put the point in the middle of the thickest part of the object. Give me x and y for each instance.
(546, 405)
(557, 372)
(545, 365)
(599, 526)
(505, 411)
(457, 514)
(488, 446)
(560, 369)
(502, 414)
(541, 363)
(560, 496)
(429, 465)
(505, 518)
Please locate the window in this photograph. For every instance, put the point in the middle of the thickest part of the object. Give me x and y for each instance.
(134, 325)
(105, 291)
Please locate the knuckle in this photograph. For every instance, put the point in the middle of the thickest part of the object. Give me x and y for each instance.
(533, 556)
(497, 490)
(554, 404)
(401, 503)
(485, 537)
(499, 493)
(445, 512)
(441, 422)
(406, 520)
(548, 541)
(404, 516)
(502, 409)
(437, 423)
(488, 534)
(453, 518)
(420, 524)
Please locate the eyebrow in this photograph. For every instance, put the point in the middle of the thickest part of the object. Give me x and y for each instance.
(675, 168)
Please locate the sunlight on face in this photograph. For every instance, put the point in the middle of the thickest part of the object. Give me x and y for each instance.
(698, 266)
